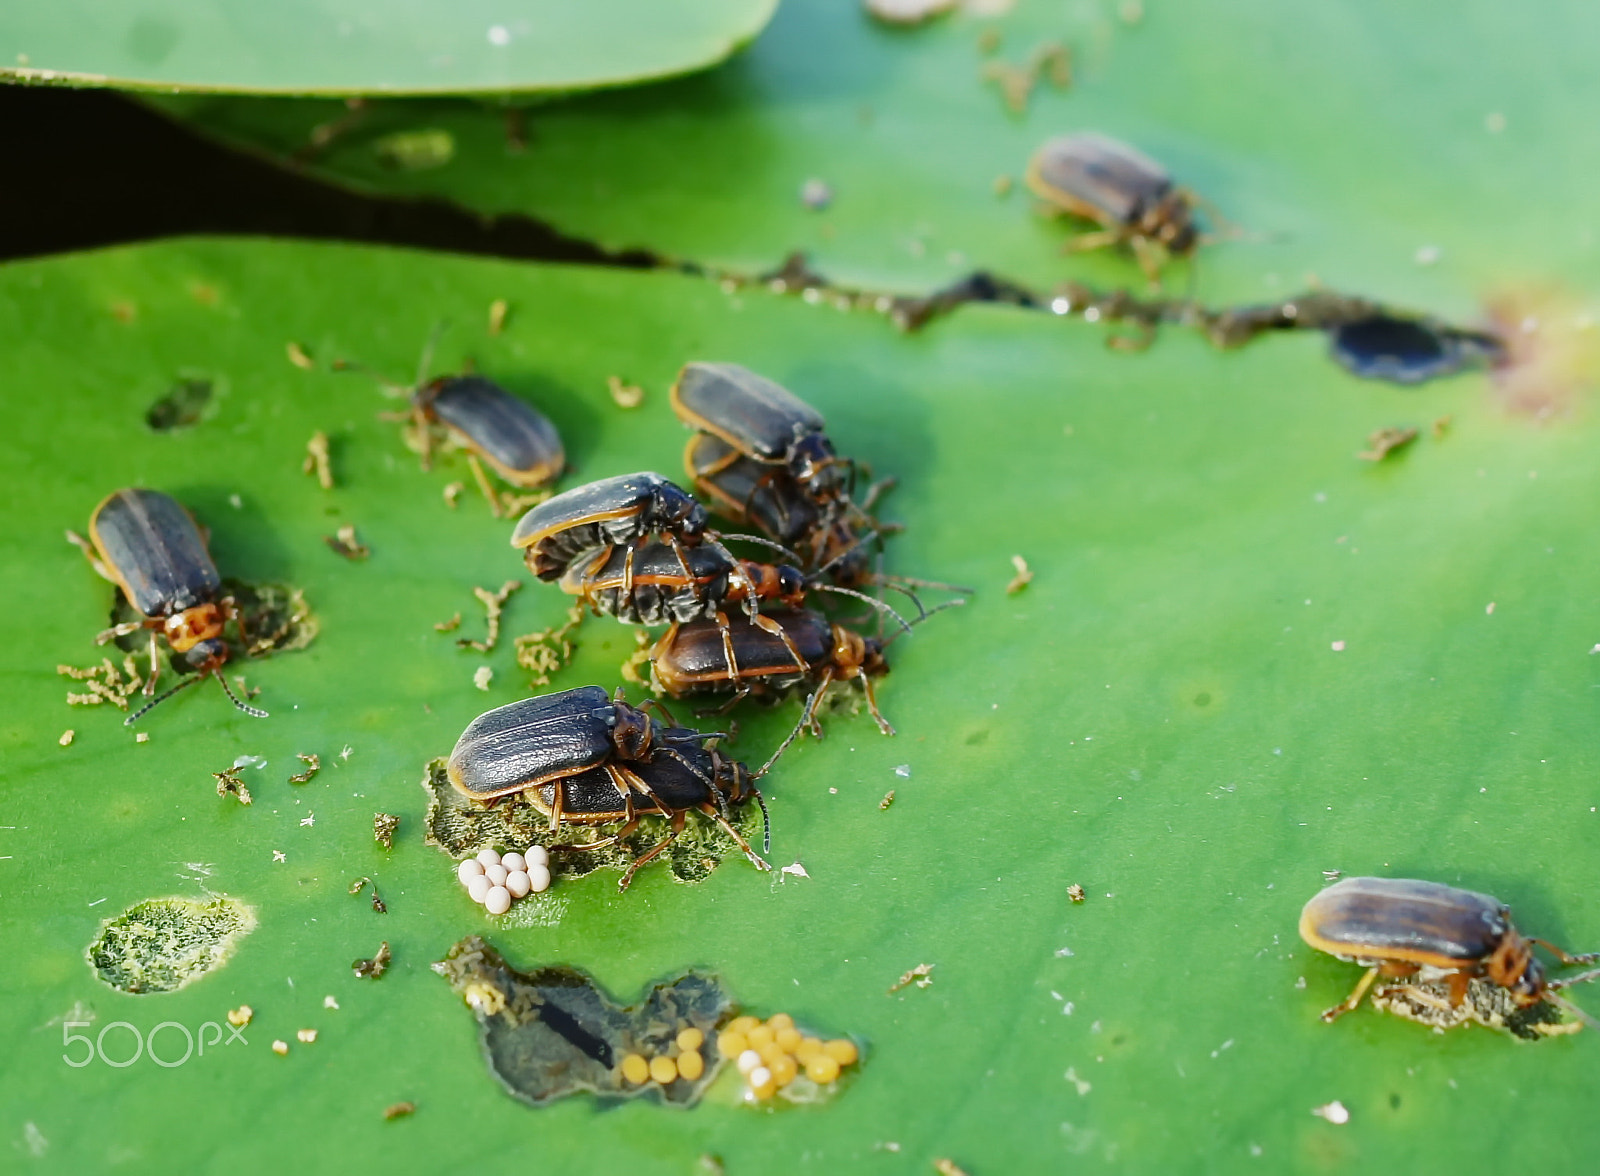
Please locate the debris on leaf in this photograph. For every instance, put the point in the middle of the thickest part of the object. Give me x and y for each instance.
(106, 683)
(482, 676)
(313, 765)
(383, 827)
(281, 1048)
(1051, 61)
(497, 315)
(546, 651)
(1383, 442)
(412, 151)
(399, 1110)
(183, 405)
(67, 737)
(306, 1036)
(948, 1167)
(241, 1016)
(229, 783)
(816, 195)
(552, 1031)
(299, 356)
(346, 544)
(626, 395)
(1334, 1112)
(493, 604)
(452, 493)
(888, 799)
(449, 626)
(1022, 579)
(907, 12)
(921, 976)
(1075, 893)
(318, 460)
(1486, 1004)
(374, 968)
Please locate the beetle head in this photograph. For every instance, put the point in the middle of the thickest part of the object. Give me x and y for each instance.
(208, 655)
(675, 511)
(1171, 223)
(631, 731)
(815, 465)
(1529, 988)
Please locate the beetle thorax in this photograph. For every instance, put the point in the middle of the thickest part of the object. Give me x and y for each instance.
(632, 732)
(186, 629)
(1512, 965)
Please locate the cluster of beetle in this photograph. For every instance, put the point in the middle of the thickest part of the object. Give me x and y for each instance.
(641, 549)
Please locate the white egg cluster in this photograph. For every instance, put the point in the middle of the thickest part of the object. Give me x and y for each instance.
(498, 881)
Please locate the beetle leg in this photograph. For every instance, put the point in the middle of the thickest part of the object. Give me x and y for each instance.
(604, 842)
(876, 491)
(419, 420)
(483, 484)
(1149, 256)
(872, 702)
(788, 739)
(756, 859)
(1086, 242)
(91, 555)
(653, 851)
(771, 626)
(155, 665)
(808, 717)
(1354, 999)
(106, 636)
(1566, 958)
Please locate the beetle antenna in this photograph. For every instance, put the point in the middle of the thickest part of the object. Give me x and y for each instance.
(938, 608)
(684, 760)
(872, 600)
(757, 539)
(805, 714)
(1569, 981)
(425, 360)
(253, 711)
(160, 698)
(766, 821)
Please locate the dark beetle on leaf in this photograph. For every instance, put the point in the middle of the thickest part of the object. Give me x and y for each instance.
(586, 759)
(1399, 927)
(147, 545)
(1125, 191)
(517, 440)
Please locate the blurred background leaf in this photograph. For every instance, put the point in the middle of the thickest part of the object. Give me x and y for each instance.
(352, 47)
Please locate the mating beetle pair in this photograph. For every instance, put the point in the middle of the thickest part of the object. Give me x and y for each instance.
(147, 545)
(584, 758)
(1400, 928)
(761, 456)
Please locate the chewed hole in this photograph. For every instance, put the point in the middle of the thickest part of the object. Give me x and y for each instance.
(163, 944)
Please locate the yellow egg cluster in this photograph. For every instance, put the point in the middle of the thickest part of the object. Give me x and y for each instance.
(687, 1063)
(773, 1053)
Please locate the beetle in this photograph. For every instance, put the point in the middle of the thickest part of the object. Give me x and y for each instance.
(1130, 195)
(523, 744)
(517, 440)
(654, 585)
(146, 544)
(1399, 927)
(582, 758)
(620, 512)
(716, 657)
(762, 421)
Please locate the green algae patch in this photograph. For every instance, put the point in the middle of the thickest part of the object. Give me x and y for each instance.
(163, 944)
